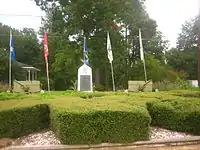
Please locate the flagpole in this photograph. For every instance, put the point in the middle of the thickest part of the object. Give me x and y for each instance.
(46, 53)
(142, 54)
(47, 71)
(113, 81)
(145, 71)
(10, 76)
(84, 40)
(198, 48)
(10, 67)
(110, 57)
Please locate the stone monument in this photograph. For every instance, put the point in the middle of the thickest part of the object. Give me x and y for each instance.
(85, 79)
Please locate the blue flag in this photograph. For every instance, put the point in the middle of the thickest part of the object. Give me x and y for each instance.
(12, 52)
(86, 59)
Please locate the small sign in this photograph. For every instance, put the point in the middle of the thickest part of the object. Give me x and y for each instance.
(85, 79)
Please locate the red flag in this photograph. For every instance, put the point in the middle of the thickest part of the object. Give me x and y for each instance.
(46, 51)
(115, 27)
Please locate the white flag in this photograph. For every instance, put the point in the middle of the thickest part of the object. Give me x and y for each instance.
(109, 49)
(141, 46)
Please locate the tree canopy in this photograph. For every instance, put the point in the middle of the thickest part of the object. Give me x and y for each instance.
(184, 56)
(68, 21)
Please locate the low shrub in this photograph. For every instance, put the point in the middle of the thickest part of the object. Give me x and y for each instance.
(93, 127)
(84, 95)
(99, 87)
(20, 121)
(9, 96)
(91, 95)
(178, 115)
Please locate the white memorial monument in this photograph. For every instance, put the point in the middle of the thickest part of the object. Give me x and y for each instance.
(85, 79)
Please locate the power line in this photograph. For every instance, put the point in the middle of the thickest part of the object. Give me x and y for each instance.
(49, 35)
(20, 15)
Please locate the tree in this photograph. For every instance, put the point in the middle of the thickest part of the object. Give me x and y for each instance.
(67, 18)
(184, 57)
(27, 50)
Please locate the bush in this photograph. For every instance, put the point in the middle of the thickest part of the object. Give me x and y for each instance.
(100, 126)
(175, 115)
(8, 96)
(20, 121)
(178, 84)
(84, 95)
(99, 87)
(91, 95)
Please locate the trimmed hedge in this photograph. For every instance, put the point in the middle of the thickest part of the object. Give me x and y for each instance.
(100, 126)
(20, 121)
(175, 115)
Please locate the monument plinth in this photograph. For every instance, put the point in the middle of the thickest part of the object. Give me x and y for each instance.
(85, 79)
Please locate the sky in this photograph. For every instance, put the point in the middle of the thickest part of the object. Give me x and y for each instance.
(169, 15)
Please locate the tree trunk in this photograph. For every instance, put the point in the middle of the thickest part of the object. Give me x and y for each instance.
(97, 77)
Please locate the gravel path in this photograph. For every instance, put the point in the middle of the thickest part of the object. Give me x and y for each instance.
(160, 134)
(42, 138)
(49, 138)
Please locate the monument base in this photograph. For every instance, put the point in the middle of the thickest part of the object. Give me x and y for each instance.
(85, 79)
(33, 86)
(135, 85)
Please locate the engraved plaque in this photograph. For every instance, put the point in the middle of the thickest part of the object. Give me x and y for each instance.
(85, 84)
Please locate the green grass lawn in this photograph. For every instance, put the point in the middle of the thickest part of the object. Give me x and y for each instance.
(110, 101)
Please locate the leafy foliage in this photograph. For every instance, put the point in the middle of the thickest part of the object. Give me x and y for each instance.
(27, 49)
(65, 22)
(100, 126)
(95, 18)
(9, 96)
(176, 115)
(184, 57)
(21, 121)
(116, 117)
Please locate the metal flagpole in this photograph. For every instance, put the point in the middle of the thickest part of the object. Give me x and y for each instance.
(198, 49)
(10, 66)
(145, 72)
(142, 55)
(110, 57)
(46, 53)
(83, 46)
(47, 70)
(113, 81)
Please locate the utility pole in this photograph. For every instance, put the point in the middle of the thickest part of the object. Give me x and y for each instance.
(198, 47)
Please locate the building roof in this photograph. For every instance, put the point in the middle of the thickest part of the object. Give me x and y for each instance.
(27, 67)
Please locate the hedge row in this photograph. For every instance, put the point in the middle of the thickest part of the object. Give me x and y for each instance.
(77, 128)
(176, 115)
(20, 121)
(100, 126)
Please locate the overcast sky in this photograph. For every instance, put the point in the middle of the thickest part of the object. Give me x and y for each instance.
(169, 14)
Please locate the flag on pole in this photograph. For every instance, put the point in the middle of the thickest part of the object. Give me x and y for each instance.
(141, 46)
(12, 52)
(142, 55)
(86, 58)
(46, 53)
(109, 49)
(46, 50)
